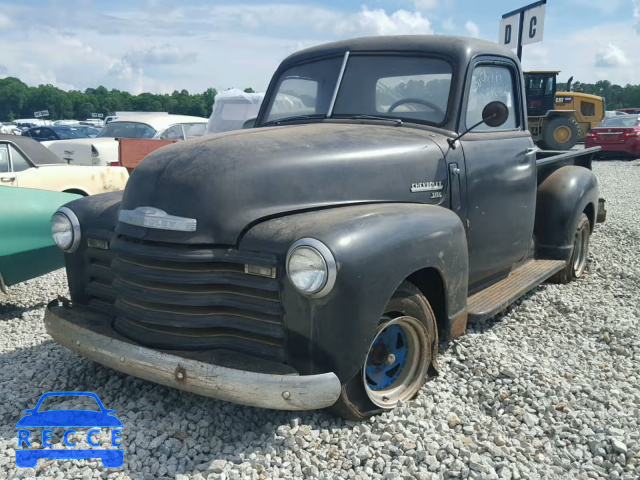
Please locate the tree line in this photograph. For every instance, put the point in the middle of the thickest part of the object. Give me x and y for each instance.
(18, 100)
(615, 96)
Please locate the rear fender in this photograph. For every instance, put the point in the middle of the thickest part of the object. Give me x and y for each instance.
(562, 198)
(376, 247)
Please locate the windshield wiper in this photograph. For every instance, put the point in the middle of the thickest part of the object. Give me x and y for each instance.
(293, 119)
(397, 121)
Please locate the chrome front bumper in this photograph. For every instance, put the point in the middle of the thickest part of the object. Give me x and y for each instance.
(90, 335)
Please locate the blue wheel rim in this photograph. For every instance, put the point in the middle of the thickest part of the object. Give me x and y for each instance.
(391, 340)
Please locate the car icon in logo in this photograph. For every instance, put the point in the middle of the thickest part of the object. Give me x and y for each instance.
(69, 419)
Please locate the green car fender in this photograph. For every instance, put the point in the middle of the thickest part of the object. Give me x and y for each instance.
(26, 246)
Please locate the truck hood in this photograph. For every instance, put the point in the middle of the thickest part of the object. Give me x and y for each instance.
(229, 181)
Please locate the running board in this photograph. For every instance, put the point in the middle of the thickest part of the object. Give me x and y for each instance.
(495, 298)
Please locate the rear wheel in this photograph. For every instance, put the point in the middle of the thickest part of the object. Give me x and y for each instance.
(578, 262)
(560, 133)
(400, 359)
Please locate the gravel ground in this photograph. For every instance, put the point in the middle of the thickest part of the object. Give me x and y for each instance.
(550, 389)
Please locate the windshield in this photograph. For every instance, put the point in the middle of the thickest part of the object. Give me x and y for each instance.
(397, 87)
(127, 130)
(621, 121)
(68, 133)
(539, 85)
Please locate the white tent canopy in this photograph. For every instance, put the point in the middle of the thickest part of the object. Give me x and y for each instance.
(232, 108)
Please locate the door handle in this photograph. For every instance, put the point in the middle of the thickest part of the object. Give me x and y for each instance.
(7, 179)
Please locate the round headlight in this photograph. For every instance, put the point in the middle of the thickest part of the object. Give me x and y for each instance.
(65, 229)
(311, 267)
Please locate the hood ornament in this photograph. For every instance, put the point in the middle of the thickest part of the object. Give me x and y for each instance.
(151, 217)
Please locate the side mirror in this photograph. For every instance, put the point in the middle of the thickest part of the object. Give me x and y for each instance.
(250, 123)
(494, 114)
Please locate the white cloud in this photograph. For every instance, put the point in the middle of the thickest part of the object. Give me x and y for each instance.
(378, 22)
(425, 4)
(448, 25)
(159, 55)
(636, 14)
(580, 63)
(472, 29)
(5, 21)
(610, 56)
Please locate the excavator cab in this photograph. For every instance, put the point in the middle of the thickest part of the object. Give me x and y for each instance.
(540, 89)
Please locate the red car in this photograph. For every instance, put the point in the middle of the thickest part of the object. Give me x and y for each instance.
(617, 135)
(630, 111)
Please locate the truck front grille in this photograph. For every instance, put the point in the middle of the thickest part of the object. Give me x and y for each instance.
(182, 297)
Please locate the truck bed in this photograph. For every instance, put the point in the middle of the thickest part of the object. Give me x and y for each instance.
(550, 160)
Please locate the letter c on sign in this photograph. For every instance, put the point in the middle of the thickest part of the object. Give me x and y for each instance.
(532, 27)
(90, 434)
(65, 438)
(507, 35)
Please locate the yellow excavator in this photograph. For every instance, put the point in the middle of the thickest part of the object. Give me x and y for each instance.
(559, 120)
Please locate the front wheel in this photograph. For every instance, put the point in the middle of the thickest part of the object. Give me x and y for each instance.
(578, 262)
(561, 133)
(400, 359)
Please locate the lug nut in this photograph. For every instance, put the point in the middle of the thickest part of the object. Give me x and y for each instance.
(391, 359)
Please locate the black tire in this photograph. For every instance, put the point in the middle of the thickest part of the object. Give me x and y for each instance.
(354, 402)
(578, 263)
(553, 141)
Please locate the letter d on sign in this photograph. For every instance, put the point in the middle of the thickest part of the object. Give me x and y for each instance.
(509, 31)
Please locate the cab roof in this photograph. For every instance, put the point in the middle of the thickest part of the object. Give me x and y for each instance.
(460, 49)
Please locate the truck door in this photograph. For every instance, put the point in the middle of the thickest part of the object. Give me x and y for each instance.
(500, 173)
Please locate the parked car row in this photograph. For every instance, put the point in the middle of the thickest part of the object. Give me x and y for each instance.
(103, 149)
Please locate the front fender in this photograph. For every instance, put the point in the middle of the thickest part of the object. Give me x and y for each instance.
(562, 198)
(376, 247)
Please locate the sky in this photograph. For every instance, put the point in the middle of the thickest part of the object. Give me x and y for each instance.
(160, 46)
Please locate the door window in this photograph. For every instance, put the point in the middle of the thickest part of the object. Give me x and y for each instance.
(194, 129)
(4, 158)
(588, 109)
(48, 134)
(19, 162)
(173, 133)
(490, 83)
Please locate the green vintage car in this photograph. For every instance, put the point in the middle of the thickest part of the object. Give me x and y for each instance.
(26, 246)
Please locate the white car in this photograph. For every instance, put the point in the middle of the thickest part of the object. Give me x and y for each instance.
(103, 149)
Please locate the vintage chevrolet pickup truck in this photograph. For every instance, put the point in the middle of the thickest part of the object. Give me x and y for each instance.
(317, 259)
